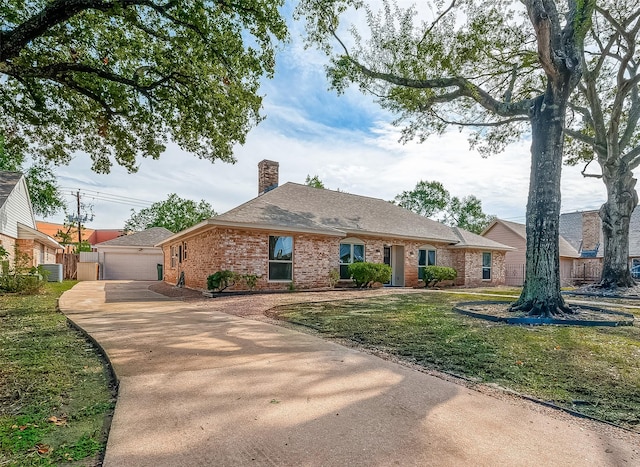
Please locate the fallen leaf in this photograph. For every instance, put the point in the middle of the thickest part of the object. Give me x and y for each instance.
(58, 421)
(42, 449)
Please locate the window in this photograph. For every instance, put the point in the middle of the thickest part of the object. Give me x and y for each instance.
(184, 251)
(426, 257)
(280, 258)
(486, 266)
(172, 254)
(350, 253)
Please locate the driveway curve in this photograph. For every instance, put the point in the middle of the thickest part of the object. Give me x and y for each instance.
(201, 387)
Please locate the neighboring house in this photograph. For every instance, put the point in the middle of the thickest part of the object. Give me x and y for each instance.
(295, 236)
(515, 235)
(91, 236)
(18, 231)
(583, 230)
(132, 257)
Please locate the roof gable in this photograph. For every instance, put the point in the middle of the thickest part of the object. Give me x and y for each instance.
(566, 248)
(15, 204)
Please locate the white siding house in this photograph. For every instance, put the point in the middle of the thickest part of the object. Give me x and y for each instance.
(17, 224)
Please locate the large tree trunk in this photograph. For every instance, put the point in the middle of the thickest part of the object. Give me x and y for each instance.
(616, 214)
(541, 293)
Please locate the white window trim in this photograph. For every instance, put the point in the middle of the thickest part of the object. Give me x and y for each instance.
(490, 267)
(351, 242)
(427, 248)
(269, 261)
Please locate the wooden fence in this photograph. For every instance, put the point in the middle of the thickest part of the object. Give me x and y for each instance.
(69, 263)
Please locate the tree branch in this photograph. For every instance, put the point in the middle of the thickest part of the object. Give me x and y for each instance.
(586, 175)
(58, 12)
(435, 22)
(481, 124)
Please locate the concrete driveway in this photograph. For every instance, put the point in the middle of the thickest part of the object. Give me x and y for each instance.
(201, 387)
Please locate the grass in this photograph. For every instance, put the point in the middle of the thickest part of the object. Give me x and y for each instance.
(593, 370)
(55, 390)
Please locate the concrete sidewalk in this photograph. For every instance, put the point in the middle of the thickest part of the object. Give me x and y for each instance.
(201, 387)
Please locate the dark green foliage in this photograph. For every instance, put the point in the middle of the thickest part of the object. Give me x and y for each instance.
(220, 280)
(434, 274)
(251, 280)
(314, 181)
(21, 278)
(432, 199)
(119, 79)
(366, 274)
(174, 214)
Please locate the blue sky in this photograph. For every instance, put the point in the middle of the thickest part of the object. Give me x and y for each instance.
(346, 140)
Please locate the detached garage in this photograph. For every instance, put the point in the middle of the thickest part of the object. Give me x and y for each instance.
(132, 257)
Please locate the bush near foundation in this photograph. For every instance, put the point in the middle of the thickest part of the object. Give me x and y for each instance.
(221, 280)
(366, 274)
(434, 274)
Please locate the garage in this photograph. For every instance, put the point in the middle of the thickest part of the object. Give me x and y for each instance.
(131, 266)
(132, 257)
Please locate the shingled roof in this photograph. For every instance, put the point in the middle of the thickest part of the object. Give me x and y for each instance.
(146, 238)
(571, 230)
(8, 181)
(301, 208)
(471, 240)
(566, 248)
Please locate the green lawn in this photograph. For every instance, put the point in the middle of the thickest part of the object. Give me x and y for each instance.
(593, 370)
(55, 390)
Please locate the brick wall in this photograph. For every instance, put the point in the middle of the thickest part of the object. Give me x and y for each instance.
(314, 257)
(247, 252)
(469, 267)
(9, 244)
(28, 247)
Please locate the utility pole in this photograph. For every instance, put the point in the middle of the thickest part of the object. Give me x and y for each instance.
(79, 224)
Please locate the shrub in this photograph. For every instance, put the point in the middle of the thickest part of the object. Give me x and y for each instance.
(334, 277)
(366, 274)
(435, 274)
(251, 280)
(22, 278)
(220, 280)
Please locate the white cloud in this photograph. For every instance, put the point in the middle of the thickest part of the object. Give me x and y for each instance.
(346, 140)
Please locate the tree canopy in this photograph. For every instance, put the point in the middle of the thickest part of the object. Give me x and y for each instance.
(432, 199)
(489, 65)
(117, 79)
(174, 214)
(314, 181)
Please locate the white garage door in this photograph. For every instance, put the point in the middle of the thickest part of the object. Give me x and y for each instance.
(131, 266)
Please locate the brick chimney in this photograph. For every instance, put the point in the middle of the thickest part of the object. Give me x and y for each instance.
(590, 230)
(267, 176)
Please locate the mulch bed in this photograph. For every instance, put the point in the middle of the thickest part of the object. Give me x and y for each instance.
(583, 315)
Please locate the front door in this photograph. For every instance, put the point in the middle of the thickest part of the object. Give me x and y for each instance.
(397, 264)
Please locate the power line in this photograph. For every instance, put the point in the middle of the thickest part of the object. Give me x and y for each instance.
(110, 197)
